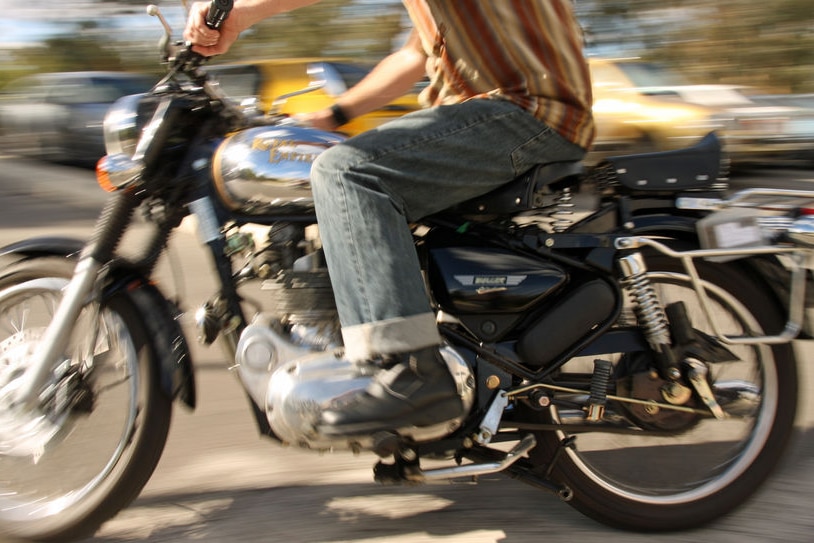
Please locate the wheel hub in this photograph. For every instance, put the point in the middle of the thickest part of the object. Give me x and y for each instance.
(23, 431)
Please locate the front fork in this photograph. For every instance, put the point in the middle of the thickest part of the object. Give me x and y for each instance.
(110, 228)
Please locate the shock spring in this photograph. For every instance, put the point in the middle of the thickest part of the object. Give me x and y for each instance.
(561, 216)
(646, 304)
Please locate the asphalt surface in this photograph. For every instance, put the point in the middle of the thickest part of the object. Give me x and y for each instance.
(218, 481)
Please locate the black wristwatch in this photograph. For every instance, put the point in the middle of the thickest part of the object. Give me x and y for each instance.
(340, 118)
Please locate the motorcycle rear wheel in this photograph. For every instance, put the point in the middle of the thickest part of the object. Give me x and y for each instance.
(70, 465)
(697, 473)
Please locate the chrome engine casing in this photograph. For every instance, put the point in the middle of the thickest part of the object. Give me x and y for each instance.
(294, 384)
(268, 168)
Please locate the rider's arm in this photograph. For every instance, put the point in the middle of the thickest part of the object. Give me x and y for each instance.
(244, 14)
(394, 76)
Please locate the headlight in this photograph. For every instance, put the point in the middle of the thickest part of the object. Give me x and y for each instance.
(122, 128)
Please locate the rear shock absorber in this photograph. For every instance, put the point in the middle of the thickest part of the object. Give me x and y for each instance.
(649, 312)
(562, 216)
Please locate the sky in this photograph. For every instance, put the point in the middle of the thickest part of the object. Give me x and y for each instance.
(29, 21)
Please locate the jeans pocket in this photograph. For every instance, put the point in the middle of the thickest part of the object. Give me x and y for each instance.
(544, 147)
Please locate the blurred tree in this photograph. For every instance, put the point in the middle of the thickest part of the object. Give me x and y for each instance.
(70, 52)
(333, 28)
(766, 44)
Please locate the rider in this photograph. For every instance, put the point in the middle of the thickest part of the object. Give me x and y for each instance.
(508, 88)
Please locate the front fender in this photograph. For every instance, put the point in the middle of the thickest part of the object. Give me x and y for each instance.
(158, 313)
(44, 246)
(161, 318)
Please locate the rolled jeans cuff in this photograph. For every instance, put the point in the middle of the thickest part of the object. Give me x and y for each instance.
(392, 336)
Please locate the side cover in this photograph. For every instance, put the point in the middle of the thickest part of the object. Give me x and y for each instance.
(488, 280)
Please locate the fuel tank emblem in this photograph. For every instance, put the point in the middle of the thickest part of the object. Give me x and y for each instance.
(281, 150)
(490, 281)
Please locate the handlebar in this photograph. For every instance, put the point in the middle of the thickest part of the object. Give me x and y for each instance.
(218, 12)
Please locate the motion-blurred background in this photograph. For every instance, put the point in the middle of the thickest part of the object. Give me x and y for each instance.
(665, 72)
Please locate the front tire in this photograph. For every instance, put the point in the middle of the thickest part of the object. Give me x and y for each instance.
(90, 450)
(687, 478)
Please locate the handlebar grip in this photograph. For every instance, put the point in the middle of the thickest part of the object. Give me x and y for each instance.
(218, 11)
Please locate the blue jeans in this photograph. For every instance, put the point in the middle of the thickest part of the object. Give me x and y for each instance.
(367, 189)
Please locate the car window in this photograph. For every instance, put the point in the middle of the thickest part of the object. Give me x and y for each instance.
(349, 73)
(606, 76)
(238, 82)
(110, 89)
(646, 74)
(336, 77)
(66, 91)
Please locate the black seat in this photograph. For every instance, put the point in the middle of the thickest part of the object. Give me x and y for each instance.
(694, 167)
(523, 193)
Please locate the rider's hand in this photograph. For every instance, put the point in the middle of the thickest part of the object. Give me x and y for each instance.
(209, 42)
(322, 120)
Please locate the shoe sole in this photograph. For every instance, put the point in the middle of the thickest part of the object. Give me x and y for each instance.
(415, 419)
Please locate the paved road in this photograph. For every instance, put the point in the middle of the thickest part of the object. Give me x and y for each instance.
(219, 482)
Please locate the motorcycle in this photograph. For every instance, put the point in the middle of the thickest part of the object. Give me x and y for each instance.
(620, 334)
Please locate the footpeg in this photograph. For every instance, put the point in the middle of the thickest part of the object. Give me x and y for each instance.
(486, 468)
(599, 390)
(407, 470)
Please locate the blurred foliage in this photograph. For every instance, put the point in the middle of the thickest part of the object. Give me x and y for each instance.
(769, 45)
(336, 28)
(70, 53)
(765, 44)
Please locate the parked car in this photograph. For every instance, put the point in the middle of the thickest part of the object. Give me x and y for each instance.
(59, 116)
(326, 79)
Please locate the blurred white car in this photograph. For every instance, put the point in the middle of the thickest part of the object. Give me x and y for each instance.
(59, 116)
(754, 130)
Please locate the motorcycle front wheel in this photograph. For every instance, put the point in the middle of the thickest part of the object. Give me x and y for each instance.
(683, 471)
(89, 448)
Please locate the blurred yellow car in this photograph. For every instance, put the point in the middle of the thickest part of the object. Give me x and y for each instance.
(630, 117)
(636, 112)
(278, 85)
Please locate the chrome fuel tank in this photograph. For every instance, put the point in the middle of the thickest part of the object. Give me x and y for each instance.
(266, 170)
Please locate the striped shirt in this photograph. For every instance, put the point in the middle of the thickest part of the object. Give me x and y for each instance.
(526, 51)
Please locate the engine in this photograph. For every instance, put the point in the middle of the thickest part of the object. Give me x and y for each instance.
(296, 289)
(290, 356)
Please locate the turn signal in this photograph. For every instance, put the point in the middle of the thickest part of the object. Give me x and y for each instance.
(114, 172)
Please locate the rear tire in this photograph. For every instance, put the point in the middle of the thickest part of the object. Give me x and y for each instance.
(664, 483)
(94, 457)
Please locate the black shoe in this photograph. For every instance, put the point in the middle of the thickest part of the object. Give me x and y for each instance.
(418, 390)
